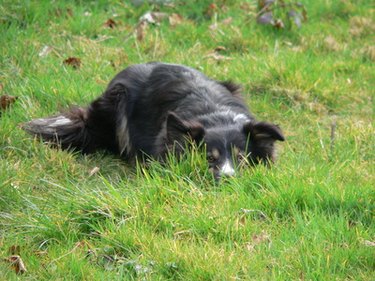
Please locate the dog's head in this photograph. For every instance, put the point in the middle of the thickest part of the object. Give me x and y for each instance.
(229, 146)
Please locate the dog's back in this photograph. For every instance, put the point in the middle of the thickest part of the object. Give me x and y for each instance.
(171, 88)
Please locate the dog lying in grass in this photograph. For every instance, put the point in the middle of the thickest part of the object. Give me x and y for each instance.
(151, 109)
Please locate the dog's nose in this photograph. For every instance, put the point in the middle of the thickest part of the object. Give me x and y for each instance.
(227, 169)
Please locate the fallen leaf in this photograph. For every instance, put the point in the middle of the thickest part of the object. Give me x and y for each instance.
(279, 24)
(211, 10)
(220, 49)
(110, 23)
(140, 30)
(73, 62)
(213, 26)
(218, 57)
(266, 18)
(145, 20)
(175, 19)
(264, 4)
(258, 239)
(369, 243)
(153, 17)
(6, 101)
(14, 250)
(94, 171)
(17, 264)
(45, 51)
(227, 21)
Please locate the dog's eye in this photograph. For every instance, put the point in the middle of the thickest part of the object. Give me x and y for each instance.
(242, 159)
(210, 158)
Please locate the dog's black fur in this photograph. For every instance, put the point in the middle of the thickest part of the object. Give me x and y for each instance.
(149, 109)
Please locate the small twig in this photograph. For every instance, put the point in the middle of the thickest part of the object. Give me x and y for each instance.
(17, 264)
(77, 245)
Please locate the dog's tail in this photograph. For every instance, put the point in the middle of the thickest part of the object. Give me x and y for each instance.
(84, 129)
(67, 130)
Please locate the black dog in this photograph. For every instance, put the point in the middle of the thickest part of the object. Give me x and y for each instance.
(150, 109)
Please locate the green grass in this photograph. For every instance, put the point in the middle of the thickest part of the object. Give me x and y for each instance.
(309, 217)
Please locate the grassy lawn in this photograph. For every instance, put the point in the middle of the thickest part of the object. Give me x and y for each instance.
(310, 217)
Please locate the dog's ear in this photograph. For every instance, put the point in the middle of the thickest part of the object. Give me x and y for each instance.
(263, 131)
(234, 88)
(177, 129)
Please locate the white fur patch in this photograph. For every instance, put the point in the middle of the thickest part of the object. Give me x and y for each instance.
(227, 169)
(123, 136)
(232, 114)
(239, 117)
(59, 121)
